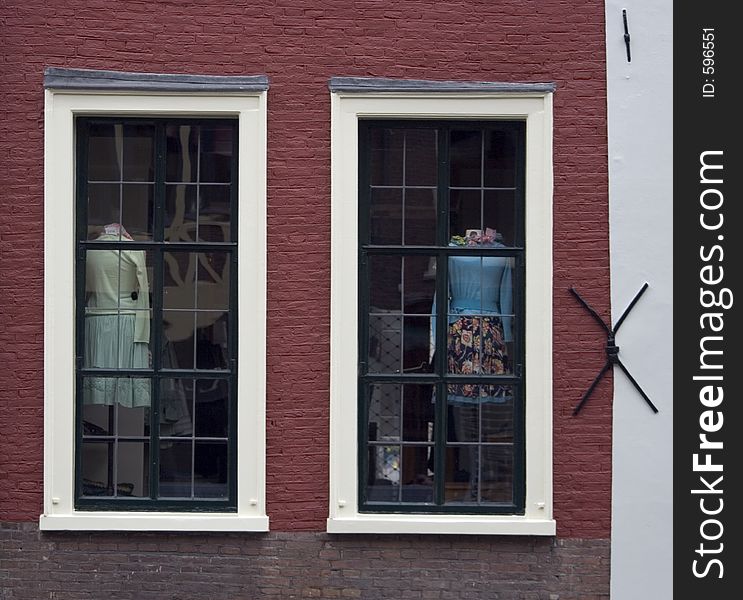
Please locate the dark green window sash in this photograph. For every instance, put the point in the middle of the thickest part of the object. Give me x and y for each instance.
(439, 377)
(157, 248)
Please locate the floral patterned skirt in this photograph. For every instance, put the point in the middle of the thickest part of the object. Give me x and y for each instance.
(475, 346)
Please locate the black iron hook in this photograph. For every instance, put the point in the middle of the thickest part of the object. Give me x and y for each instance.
(612, 350)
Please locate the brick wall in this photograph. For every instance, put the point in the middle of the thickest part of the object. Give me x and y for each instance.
(296, 565)
(300, 44)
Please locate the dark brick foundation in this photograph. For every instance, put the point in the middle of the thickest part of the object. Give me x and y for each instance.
(144, 566)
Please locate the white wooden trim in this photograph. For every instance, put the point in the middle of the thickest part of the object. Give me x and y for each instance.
(61, 107)
(346, 109)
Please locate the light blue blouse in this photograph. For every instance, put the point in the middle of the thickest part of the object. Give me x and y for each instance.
(479, 285)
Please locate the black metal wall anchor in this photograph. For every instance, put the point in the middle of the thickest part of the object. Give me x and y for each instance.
(626, 35)
(612, 350)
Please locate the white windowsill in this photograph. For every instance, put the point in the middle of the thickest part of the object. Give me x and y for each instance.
(442, 524)
(131, 521)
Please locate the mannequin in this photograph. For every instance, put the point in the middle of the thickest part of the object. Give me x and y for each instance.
(480, 325)
(117, 322)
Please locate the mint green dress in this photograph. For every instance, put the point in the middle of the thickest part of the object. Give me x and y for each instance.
(117, 325)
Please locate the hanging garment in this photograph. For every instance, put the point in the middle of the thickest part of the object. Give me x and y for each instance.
(117, 324)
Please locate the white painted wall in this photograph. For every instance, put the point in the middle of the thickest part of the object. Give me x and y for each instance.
(640, 195)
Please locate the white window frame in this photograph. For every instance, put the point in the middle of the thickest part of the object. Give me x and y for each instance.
(62, 106)
(356, 99)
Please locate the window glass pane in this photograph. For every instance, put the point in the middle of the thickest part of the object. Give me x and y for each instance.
(419, 284)
(104, 152)
(386, 156)
(418, 413)
(466, 158)
(195, 340)
(179, 280)
(196, 280)
(416, 352)
(176, 407)
(465, 212)
(210, 470)
(213, 289)
(385, 283)
(464, 419)
(182, 146)
(97, 420)
(97, 473)
(214, 213)
(212, 408)
(383, 480)
(385, 342)
(176, 463)
(417, 476)
(104, 208)
(180, 213)
(384, 412)
(133, 421)
(132, 469)
(215, 160)
(500, 158)
(421, 153)
(462, 469)
(498, 214)
(480, 328)
(386, 216)
(138, 155)
(496, 474)
(136, 210)
(497, 414)
(420, 217)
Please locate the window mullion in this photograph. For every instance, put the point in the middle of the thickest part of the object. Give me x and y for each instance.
(81, 215)
(156, 290)
(442, 306)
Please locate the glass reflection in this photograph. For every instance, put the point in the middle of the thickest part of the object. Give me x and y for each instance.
(497, 474)
(176, 464)
(211, 408)
(420, 217)
(384, 412)
(417, 476)
(383, 480)
(500, 158)
(421, 148)
(119, 152)
(466, 158)
(195, 340)
(210, 470)
(385, 222)
(386, 156)
(196, 280)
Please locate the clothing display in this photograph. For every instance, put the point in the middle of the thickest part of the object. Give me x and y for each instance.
(117, 322)
(480, 322)
(481, 292)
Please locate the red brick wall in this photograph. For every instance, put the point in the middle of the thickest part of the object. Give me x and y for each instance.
(300, 44)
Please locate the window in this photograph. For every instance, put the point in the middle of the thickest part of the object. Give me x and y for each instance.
(156, 184)
(442, 199)
(440, 356)
(155, 313)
